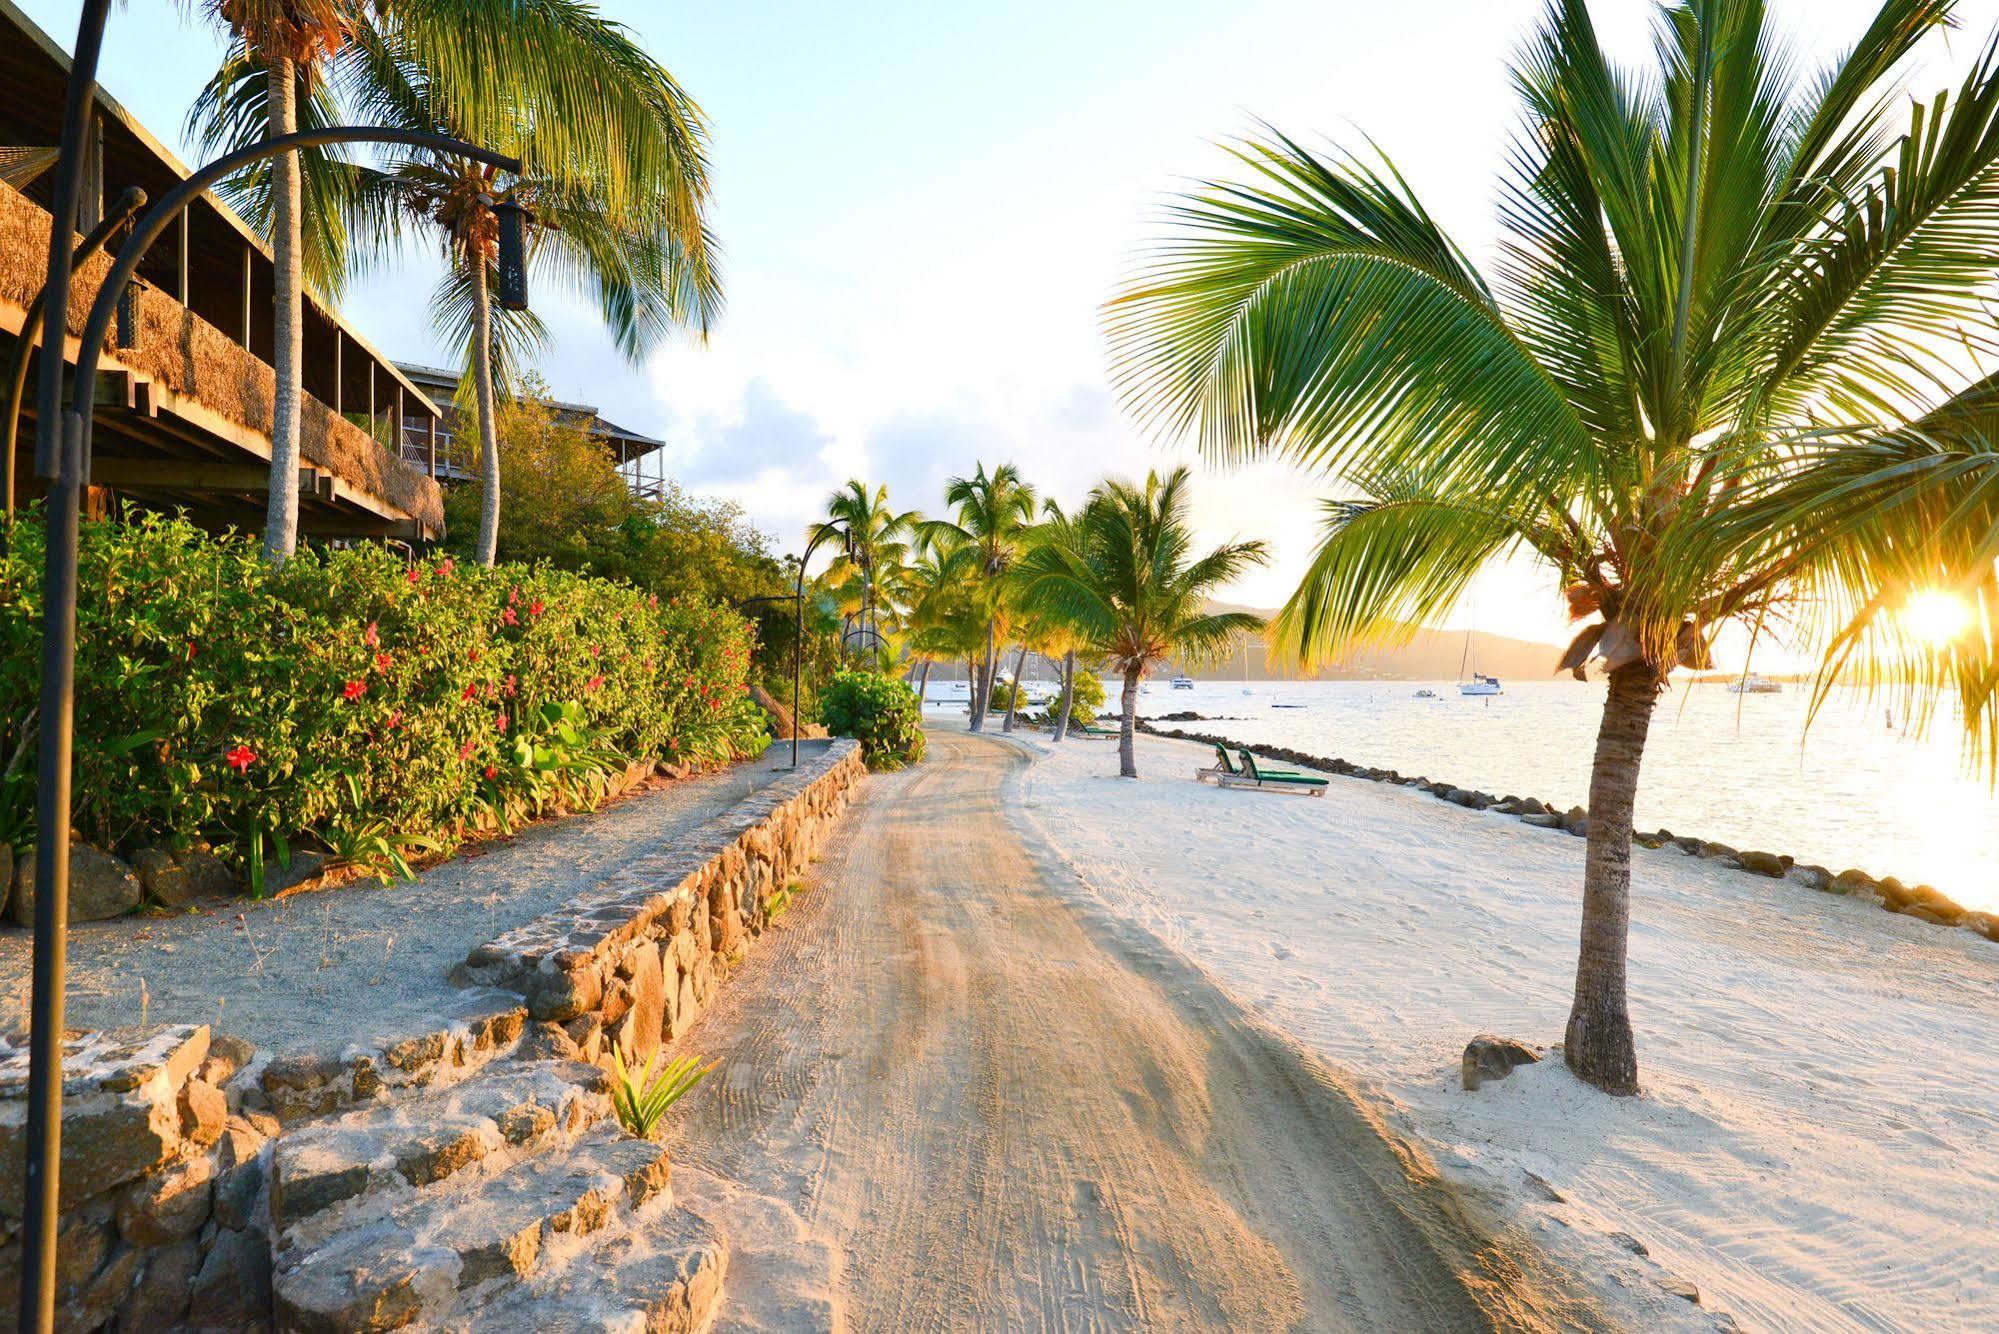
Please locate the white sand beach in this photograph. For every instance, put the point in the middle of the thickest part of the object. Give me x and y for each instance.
(1816, 1145)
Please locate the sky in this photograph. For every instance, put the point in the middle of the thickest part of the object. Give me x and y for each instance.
(923, 207)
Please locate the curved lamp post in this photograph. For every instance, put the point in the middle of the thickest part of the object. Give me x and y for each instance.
(62, 457)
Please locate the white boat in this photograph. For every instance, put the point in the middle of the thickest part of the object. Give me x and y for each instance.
(1753, 684)
(1182, 683)
(1480, 683)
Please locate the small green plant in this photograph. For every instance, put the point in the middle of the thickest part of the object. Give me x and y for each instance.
(780, 899)
(1085, 703)
(641, 1098)
(880, 712)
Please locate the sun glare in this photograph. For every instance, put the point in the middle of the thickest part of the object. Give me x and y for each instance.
(1937, 617)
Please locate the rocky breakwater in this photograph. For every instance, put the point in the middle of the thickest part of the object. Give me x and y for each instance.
(1925, 903)
(162, 1185)
(636, 960)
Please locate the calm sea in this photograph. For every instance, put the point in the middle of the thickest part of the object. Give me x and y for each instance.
(1857, 789)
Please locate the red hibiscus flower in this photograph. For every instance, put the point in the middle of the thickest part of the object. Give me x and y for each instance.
(470, 691)
(395, 720)
(239, 757)
(507, 617)
(382, 662)
(500, 723)
(512, 681)
(354, 690)
(472, 655)
(370, 636)
(595, 683)
(445, 567)
(465, 751)
(414, 574)
(492, 771)
(534, 608)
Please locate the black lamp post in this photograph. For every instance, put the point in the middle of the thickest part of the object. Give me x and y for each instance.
(62, 457)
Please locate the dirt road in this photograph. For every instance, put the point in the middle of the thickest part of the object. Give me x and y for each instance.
(952, 1099)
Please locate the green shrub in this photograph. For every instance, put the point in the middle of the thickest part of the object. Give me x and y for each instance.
(1086, 700)
(350, 697)
(1001, 698)
(880, 711)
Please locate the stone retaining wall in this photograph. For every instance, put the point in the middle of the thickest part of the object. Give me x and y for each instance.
(636, 960)
(1925, 903)
(167, 1135)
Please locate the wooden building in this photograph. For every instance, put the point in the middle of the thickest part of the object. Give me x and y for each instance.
(455, 454)
(185, 393)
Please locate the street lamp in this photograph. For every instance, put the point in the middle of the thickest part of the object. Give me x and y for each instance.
(62, 458)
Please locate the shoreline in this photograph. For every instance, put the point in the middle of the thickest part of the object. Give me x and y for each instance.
(1382, 930)
(1924, 902)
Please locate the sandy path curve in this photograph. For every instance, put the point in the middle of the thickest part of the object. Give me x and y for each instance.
(952, 1099)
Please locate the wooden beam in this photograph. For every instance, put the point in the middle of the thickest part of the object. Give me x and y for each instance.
(188, 475)
(430, 444)
(338, 375)
(247, 254)
(184, 245)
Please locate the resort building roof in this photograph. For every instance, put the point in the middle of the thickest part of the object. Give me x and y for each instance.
(184, 412)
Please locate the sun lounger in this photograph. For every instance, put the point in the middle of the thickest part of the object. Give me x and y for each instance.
(1095, 731)
(1275, 780)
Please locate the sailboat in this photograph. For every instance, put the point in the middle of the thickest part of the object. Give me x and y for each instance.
(1480, 683)
(1245, 669)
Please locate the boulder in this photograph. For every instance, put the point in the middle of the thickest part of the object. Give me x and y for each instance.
(1487, 1058)
(159, 1299)
(1764, 863)
(208, 874)
(1719, 852)
(166, 1207)
(100, 886)
(1938, 902)
(232, 1290)
(303, 866)
(1984, 924)
(165, 881)
(1542, 820)
(1894, 893)
(1811, 877)
(1852, 881)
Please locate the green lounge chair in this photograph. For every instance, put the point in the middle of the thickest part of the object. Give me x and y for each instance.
(1093, 730)
(1277, 780)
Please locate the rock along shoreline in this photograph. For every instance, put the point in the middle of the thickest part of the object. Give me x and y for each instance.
(1923, 902)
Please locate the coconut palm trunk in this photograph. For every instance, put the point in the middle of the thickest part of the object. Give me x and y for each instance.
(488, 551)
(923, 683)
(1013, 700)
(1599, 1045)
(982, 686)
(1068, 695)
(288, 346)
(1127, 742)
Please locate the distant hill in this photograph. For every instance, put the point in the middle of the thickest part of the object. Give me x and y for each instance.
(1431, 655)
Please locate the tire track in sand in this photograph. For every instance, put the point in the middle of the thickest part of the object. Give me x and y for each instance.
(953, 1101)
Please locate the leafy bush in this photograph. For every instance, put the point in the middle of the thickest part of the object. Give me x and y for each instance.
(1001, 698)
(880, 711)
(1086, 700)
(351, 697)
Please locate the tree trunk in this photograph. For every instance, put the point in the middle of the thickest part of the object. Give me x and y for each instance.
(923, 684)
(1599, 1046)
(1068, 695)
(288, 345)
(489, 435)
(982, 686)
(1127, 742)
(1013, 700)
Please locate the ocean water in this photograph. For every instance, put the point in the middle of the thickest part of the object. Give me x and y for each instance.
(1856, 789)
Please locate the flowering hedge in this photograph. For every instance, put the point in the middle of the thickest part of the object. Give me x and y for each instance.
(352, 697)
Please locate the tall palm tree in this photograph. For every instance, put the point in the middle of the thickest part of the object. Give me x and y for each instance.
(279, 51)
(940, 593)
(1129, 584)
(616, 176)
(875, 544)
(1713, 272)
(995, 514)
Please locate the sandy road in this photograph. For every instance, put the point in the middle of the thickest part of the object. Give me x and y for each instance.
(952, 1099)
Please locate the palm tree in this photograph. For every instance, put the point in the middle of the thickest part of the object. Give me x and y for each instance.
(995, 515)
(1129, 585)
(943, 617)
(615, 177)
(1715, 276)
(875, 544)
(279, 50)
